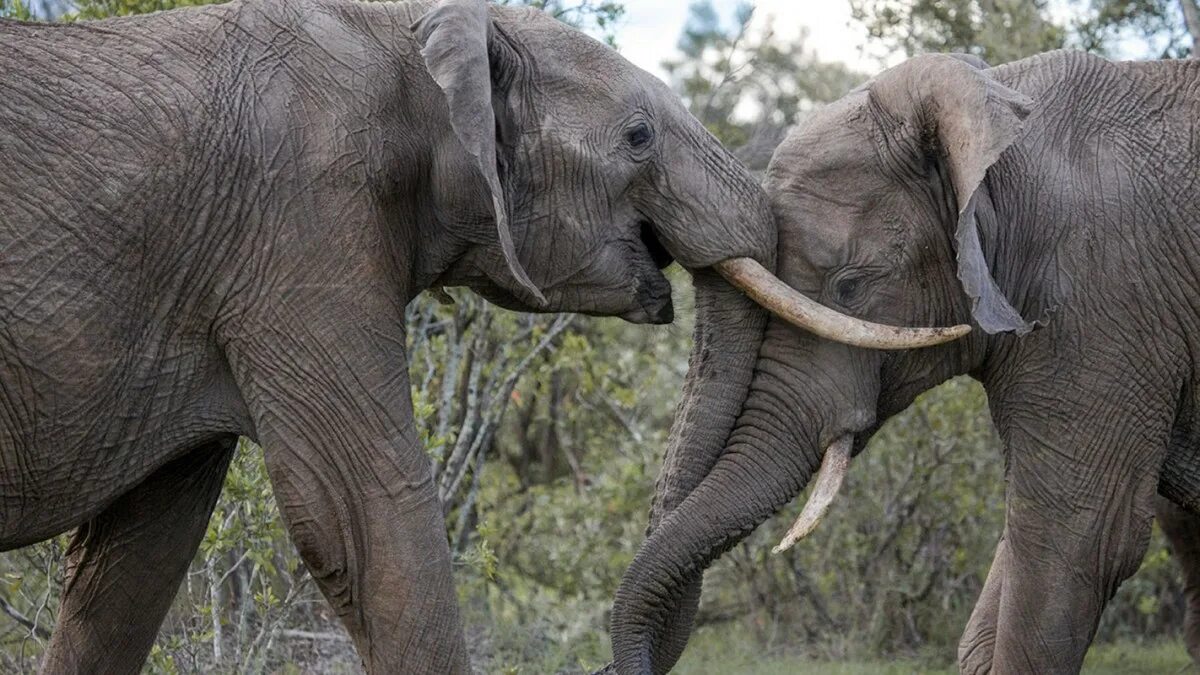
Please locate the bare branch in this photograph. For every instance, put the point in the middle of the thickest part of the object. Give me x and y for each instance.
(38, 631)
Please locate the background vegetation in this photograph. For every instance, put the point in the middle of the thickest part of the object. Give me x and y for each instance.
(546, 432)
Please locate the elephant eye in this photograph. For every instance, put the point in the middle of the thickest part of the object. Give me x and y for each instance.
(639, 136)
(848, 288)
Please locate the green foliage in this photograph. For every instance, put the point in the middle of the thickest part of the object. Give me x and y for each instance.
(997, 30)
(737, 80)
(1160, 24)
(1137, 657)
(15, 9)
(1006, 30)
(99, 9)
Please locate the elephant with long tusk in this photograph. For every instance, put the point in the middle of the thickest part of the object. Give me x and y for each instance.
(1051, 203)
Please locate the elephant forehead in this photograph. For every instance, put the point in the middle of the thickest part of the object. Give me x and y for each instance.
(833, 140)
(568, 60)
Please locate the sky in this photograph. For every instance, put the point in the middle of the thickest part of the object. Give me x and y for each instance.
(650, 29)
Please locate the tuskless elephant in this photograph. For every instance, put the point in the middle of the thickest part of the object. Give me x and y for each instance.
(1051, 203)
(211, 221)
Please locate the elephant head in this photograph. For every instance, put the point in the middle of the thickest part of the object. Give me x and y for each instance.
(877, 199)
(595, 176)
(578, 176)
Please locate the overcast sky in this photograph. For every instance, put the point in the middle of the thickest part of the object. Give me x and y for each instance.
(651, 28)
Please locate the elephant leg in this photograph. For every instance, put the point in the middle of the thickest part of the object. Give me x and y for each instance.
(1079, 514)
(355, 486)
(1079, 507)
(975, 650)
(124, 567)
(1063, 569)
(1182, 528)
(379, 555)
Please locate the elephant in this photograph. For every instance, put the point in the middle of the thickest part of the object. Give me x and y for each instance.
(211, 221)
(1048, 203)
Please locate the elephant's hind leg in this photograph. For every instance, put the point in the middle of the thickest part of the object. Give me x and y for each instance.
(1182, 528)
(124, 567)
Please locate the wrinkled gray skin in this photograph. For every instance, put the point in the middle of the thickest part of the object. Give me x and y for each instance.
(1059, 189)
(211, 221)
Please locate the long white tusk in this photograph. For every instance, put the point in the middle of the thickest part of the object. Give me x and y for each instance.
(799, 310)
(829, 482)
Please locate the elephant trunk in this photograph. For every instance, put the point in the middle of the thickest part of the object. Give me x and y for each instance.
(710, 496)
(766, 464)
(728, 333)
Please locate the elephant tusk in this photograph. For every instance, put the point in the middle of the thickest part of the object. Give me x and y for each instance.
(829, 482)
(799, 310)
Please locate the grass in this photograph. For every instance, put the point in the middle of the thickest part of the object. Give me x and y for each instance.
(1127, 658)
(720, 653)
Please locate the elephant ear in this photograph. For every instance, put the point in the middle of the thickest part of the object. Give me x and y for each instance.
(455, 39)
(971, 119)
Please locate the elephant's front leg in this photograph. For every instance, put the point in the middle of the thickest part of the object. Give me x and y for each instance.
(124, 567)
(332, 410)
(1082, 475)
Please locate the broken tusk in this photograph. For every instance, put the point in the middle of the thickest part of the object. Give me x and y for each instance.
(829, 482)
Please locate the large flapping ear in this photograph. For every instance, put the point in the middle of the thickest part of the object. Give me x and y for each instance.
(972, 119)
(454, 38)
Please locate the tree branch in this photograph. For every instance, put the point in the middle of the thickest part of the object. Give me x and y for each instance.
(38, 631)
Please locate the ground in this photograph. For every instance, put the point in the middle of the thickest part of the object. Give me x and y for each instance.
(721, 657)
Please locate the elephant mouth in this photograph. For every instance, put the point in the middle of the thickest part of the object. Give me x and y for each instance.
(652, 294)
(654, 301)
(658, 253)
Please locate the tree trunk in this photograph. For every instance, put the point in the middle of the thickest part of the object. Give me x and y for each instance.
(1191, 16)
(214, 608)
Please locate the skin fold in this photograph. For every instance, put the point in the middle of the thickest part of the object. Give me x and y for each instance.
(1051, 203)
(211, 221)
